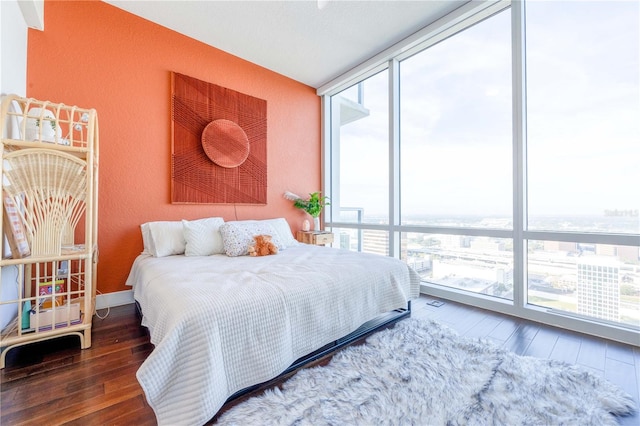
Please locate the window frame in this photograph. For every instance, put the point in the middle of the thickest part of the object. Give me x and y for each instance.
(464, 17)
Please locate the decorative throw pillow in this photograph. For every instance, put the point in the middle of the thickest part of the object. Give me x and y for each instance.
(282, 228)
(202, 237)
(238, 236)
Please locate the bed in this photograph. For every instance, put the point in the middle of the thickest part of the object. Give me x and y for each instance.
(222, 322)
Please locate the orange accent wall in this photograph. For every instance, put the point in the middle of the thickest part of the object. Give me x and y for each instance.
(94, 55)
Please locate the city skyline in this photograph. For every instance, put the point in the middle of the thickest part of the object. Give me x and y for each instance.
(601, 223)
(600, 281)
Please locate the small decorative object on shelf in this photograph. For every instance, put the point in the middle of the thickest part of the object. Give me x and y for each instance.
(313, 206)
(318, 238)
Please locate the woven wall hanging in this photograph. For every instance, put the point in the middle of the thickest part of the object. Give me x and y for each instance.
(218, 145)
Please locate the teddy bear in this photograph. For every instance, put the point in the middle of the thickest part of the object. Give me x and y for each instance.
(262, 246)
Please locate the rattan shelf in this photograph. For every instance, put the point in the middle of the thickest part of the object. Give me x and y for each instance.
(49, 164)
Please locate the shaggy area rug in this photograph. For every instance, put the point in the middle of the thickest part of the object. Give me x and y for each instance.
(423, 373)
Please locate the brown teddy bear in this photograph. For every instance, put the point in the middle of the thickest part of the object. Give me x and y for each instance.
(262, 246)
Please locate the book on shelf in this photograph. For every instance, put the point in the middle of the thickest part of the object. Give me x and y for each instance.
(43, 318)
(48, 289)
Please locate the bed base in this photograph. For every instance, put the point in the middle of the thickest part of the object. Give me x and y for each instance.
(382, 321)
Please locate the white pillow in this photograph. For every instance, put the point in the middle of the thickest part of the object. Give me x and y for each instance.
(202, 237)
(238, 236)
(281, 226)
(166, 238)
(147, 242)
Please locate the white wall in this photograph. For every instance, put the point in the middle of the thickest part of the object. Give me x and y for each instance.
(13, 79)
(13, 50)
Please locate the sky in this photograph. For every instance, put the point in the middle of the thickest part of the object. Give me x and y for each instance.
(583, 101)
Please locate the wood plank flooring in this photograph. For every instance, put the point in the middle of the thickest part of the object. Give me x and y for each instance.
(56, 382)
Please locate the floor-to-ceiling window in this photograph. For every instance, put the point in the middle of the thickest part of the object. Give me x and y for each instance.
(583, 158)
(455, 156)
(500, 158)
(361, 156)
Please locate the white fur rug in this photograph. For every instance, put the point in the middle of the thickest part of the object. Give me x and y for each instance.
(422, 373)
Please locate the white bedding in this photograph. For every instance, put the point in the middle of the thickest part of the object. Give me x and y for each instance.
(220, 324)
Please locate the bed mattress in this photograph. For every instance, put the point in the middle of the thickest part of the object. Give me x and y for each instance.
(220, 324)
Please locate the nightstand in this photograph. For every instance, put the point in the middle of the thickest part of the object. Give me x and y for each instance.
(319, 238)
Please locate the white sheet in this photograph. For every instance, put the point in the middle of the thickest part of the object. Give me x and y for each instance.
(220, 324)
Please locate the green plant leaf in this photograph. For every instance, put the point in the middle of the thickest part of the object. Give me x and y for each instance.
(313, 205)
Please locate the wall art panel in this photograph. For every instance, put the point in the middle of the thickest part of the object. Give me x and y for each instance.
(219, 144)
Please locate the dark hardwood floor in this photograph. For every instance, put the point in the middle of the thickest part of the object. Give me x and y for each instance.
(56, 382)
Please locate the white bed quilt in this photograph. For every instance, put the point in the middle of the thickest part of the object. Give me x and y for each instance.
(220, 324)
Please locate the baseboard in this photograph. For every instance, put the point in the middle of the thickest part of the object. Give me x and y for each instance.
(116, 298)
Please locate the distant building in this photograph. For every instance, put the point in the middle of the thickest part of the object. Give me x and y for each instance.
(345, 240)
(606, 250)
(375, 241)
(560, 246)
(487, 244)
(453, 241)
(623, 253)
(504, 276)
(598, 287)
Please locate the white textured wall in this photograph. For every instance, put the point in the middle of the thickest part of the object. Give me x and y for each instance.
(13, 79)
(13, 53)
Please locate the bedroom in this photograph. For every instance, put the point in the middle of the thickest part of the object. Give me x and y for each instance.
(80, 56)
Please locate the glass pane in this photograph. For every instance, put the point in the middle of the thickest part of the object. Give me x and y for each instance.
(595, 280)
(360, 145)
(456, 141)
(477, 264)
(363, 240)
(582, 116)
(352, 93)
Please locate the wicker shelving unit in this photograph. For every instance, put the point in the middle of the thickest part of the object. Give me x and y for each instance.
(49, 164)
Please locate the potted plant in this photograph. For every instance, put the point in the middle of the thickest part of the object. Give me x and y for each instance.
(313, 206)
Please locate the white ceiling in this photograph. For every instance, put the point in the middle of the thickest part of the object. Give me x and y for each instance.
(309, 41)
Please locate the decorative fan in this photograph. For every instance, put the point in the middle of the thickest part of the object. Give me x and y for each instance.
(51, 186)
